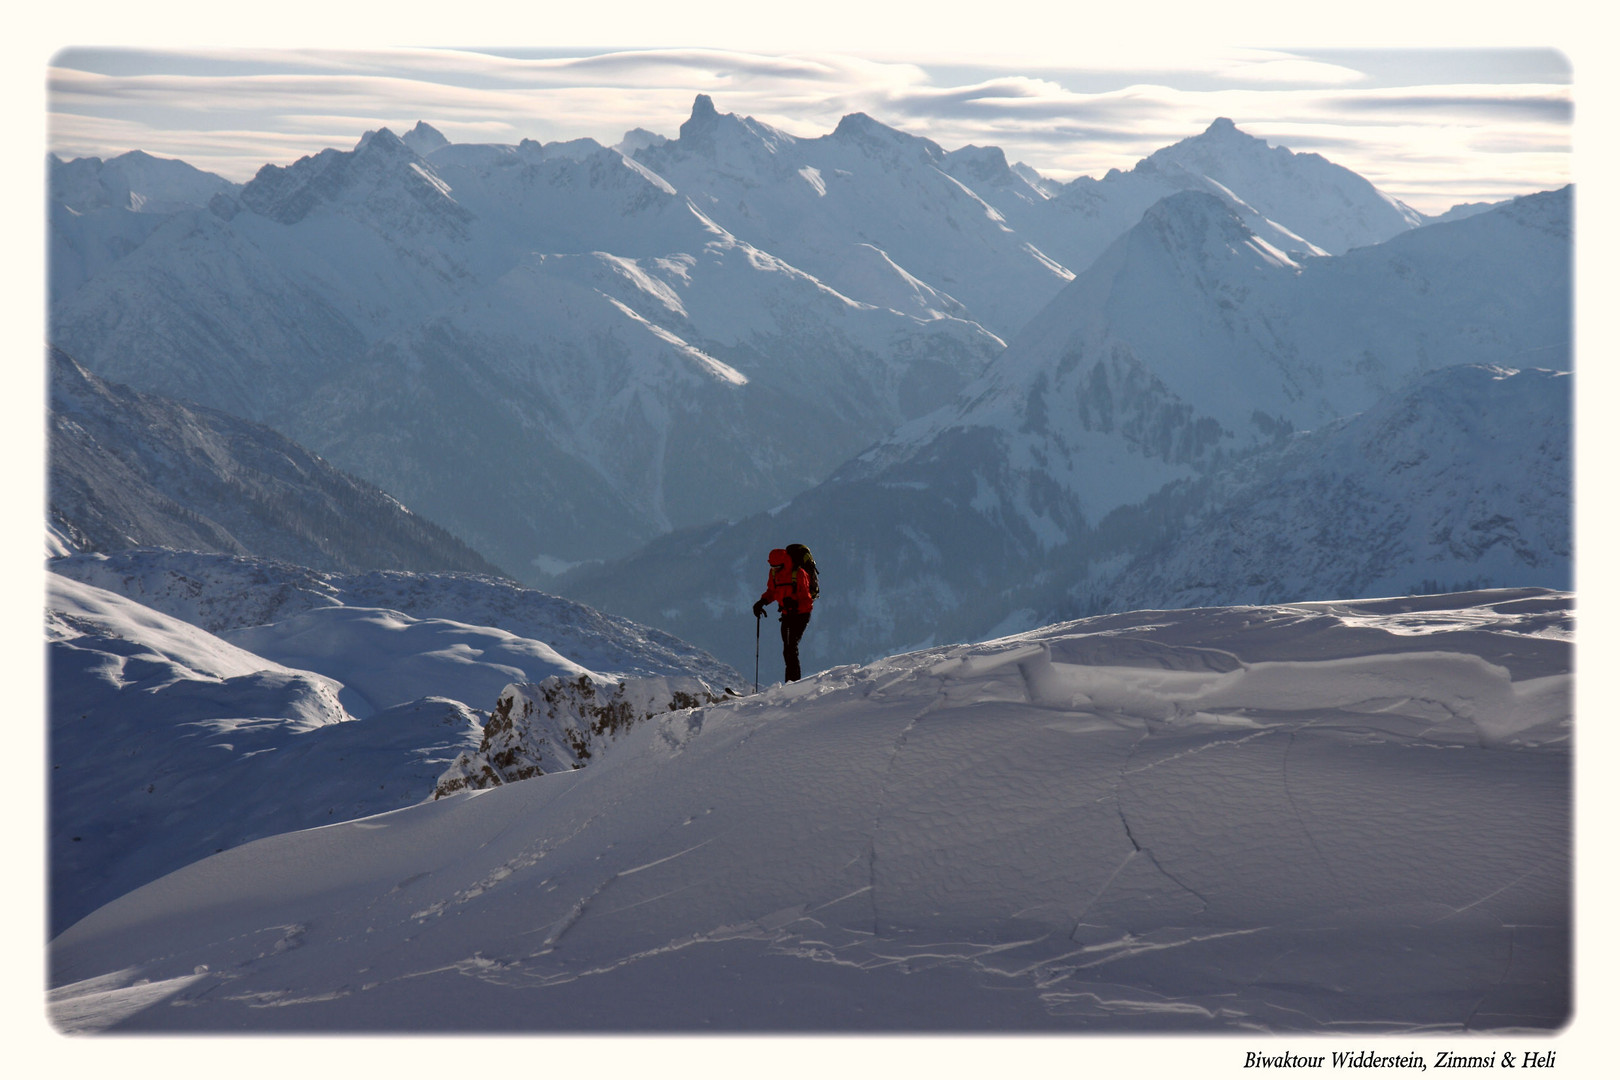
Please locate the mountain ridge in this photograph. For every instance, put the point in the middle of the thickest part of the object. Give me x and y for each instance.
(129, 469)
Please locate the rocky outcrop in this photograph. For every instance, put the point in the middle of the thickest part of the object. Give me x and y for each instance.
(559, 724)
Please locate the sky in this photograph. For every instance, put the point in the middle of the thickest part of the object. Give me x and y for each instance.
(1431, 126)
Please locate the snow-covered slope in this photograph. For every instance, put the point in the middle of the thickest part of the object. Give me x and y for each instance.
(137, 470)
(304, 702)
(1318, 817)
(140, 700)
(1191, 343)
(385, 658)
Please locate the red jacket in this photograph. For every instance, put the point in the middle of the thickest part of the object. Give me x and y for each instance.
(787, 586)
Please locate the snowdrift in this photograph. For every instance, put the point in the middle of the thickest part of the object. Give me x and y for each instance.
(1312, 817)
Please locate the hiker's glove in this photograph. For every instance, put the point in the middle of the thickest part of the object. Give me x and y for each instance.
(759, 609)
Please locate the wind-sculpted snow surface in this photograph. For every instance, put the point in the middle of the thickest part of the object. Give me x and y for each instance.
(167, 744)
(1319, 817)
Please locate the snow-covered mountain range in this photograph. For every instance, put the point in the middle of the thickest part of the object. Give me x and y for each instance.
(553, 352)
(1117, 422)
(129, 469)
(1300, 819)
(562, 351)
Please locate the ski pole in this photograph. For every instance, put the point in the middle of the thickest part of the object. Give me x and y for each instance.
(756, 654)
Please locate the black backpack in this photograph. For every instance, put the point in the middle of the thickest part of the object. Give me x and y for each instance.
(803, 560)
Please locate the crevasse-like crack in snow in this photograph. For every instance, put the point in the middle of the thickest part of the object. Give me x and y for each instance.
(1119, 807)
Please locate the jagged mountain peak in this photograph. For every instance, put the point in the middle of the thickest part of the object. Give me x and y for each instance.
(1548, 211)
(856, 123)
(134, 180)
(638, 138)
(581, 149)
(704, 115)
(1198, 206)
(711, 133)
(381, 141)
(424, 138)
(380, 159)
(1223, 136)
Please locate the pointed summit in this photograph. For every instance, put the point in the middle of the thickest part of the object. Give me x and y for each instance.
(381, 137)
(424, 138)
(854, 123)
(1287, 188)
(703, 120)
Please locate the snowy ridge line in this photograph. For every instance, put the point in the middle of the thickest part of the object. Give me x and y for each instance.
(220, 592)
(923, 844)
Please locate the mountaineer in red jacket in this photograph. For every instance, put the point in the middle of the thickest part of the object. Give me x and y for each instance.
(792, 588)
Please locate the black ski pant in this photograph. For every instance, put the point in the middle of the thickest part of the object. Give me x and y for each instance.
(793, 624)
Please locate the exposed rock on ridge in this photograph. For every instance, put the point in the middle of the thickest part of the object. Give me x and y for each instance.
(560, 724)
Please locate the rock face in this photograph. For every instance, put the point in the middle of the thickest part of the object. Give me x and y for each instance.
(560, 724)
